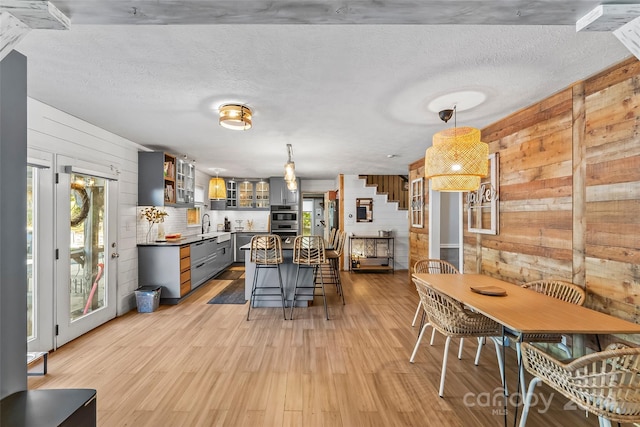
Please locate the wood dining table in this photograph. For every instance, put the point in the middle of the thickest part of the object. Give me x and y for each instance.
(524, 311)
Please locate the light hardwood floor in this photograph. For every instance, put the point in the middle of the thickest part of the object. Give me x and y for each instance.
(197, 364)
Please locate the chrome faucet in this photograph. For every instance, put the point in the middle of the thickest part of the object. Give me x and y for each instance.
(208, 222)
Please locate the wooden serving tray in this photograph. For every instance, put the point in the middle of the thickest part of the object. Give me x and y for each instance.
(495, 291)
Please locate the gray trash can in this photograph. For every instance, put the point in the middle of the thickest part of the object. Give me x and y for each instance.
(148, 298)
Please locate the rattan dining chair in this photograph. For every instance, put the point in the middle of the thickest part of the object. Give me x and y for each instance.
(559, 289)
(606, 383)
(453, 320)
(266, 252)
(333, 258)
(308, 252)
(332, 236)
(433, 266)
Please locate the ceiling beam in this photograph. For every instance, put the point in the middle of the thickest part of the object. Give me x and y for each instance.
(608, 17)
(36, 14)
(12, 30)
(17, 17)
(629, 35)
(322, 12)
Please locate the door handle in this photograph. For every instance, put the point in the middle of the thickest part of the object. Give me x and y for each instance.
(115, 255)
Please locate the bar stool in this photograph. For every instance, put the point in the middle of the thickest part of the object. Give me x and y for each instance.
(333, 256)
(266, 252)
(308, 252)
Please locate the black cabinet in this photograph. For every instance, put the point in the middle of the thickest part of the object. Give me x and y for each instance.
(54, 408)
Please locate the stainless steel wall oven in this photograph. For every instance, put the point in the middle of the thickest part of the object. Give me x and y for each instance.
(284, 220)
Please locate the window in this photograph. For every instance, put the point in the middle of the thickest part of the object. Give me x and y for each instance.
(417, 203)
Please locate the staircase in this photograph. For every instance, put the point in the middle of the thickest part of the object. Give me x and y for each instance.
(393, 186)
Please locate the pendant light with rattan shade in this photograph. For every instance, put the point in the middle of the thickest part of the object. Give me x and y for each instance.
(217, 188)
(457, 160)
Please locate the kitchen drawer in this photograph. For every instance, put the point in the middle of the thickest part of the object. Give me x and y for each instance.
(185, 275)
(185, 251)
(202, 250)
(185, 287)
(203, 271)
(185, 263)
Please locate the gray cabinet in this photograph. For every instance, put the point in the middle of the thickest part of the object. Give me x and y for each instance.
(181, 269)
(164, 180)
(224, 256)
(280, 194)
(203, 261)
(185, 182)
(232, 194)
(241, 240)
(160, 266)
(244, 194)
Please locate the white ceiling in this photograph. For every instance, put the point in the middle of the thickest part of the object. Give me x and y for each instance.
(346, 83)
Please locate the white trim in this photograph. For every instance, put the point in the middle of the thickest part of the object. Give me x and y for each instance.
(99, 174)
(434, 223)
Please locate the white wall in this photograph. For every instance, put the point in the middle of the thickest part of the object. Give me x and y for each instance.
(317, 185)
(386, 216)
(54, 131)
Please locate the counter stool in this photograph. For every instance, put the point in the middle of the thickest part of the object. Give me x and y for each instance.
(308, 252)
(333, 256)
(266, 252)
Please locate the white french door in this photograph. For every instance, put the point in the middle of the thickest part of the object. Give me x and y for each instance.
(86, 247)
(40, 306)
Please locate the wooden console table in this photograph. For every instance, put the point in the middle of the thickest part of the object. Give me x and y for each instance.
(371, 253)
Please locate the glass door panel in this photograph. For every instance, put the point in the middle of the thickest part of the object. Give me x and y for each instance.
(31, 232)
(86, 251)
(232, 196)
(262, 194)
(245, 199)
(40, 253)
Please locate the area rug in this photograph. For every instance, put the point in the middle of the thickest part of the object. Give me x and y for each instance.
(232, 294)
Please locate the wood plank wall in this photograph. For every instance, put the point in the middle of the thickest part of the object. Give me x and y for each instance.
(419, 237)
(393, 185)
(569, 193)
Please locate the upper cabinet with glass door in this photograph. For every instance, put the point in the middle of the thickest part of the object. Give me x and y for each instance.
(185, 182)
(262, 194)
(164, 180)
(232, 194)
(247, 194)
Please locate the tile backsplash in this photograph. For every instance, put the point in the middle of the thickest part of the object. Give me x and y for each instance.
(176, 222)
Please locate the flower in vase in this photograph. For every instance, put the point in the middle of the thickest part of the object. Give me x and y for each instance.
(153, 215)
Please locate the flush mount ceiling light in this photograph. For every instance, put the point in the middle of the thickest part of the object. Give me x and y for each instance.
(458, 159)
(217, 188)
(235, 117)
(290, 167)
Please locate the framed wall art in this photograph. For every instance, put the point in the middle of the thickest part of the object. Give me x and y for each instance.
(482, 204)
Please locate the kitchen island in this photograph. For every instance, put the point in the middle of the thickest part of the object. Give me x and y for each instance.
(269, 276)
